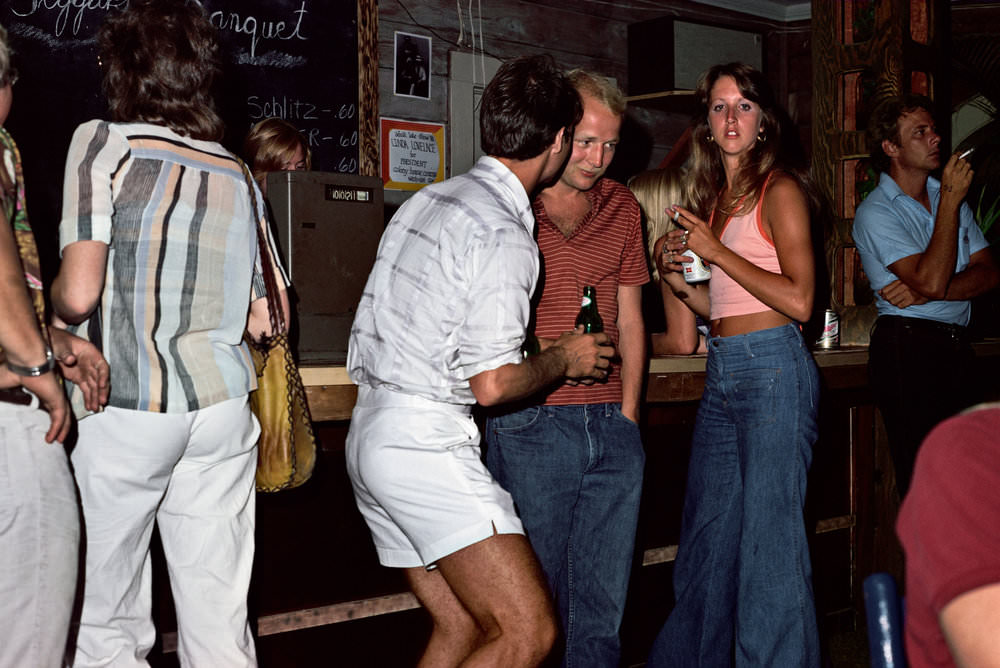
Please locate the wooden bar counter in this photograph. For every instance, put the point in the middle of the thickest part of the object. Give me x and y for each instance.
(317, 582)
(671, 378)
(674, 386)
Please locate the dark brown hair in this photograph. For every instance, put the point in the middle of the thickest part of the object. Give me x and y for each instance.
(884, 124)
(525, 106)
(160, 60)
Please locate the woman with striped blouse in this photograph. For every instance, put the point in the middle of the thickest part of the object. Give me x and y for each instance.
(161, 265)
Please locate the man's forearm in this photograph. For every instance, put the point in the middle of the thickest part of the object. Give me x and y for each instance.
(937, 263)
(632, 347)
(516, 381)
(974, 281)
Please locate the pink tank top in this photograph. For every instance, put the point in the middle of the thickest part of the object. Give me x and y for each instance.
(745, 236)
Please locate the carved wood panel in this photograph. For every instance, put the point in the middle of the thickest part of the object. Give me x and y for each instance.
(864, 51)
(368, 163)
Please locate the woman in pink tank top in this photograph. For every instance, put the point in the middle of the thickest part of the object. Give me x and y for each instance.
(742, 579)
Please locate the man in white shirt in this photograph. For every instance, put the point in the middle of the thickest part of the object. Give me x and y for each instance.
(440, 327)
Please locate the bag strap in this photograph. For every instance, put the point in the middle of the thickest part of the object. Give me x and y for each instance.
(274, 309)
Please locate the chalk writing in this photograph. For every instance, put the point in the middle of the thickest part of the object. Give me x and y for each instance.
(258, 29)
(62, 9)
(283, 107)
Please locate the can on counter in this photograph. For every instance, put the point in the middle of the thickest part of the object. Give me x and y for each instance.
(830, 338)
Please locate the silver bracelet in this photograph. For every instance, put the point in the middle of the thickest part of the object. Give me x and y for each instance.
(31, 371)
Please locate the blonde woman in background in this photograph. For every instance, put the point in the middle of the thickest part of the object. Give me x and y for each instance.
(656, 190)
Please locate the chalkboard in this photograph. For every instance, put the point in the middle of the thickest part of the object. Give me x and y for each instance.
(295, 59)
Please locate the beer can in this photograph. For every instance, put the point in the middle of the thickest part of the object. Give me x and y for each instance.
(697, 270)
(830, 338)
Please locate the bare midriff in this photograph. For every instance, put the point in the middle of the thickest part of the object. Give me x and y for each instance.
(751, 322)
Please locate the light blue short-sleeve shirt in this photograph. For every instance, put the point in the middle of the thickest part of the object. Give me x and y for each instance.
(890, 225)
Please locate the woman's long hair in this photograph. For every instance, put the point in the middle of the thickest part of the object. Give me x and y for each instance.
(774, 149)
(160, 61)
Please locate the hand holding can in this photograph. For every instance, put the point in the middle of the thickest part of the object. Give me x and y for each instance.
(697, 270)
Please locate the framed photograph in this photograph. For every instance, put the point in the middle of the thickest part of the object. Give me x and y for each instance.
(412, 69)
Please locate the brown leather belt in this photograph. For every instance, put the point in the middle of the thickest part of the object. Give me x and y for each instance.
(15, 395)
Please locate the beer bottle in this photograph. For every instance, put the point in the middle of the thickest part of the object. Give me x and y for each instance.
(531, 346)
(588, 316)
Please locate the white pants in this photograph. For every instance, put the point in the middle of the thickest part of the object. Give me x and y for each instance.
(39, 541)
(192, 473)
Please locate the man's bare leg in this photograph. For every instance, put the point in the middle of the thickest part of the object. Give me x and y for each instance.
(498, 585)
(456, 634)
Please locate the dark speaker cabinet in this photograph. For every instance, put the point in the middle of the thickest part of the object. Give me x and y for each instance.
(668, 54)
(328, 227)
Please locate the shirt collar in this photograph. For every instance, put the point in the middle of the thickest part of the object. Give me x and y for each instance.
(502, 174)
(892, 190)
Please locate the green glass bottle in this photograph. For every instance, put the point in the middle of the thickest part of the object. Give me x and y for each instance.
(589, 317)
(531, 346)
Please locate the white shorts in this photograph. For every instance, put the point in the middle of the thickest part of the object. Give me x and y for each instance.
(419, 480)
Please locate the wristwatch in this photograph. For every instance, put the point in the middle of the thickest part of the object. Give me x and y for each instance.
(31, 371)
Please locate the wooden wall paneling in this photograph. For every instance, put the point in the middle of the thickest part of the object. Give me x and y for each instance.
(509, 29)
(583, 34)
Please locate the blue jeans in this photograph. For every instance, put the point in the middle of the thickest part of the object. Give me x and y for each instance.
(575, 473)
(742, 579)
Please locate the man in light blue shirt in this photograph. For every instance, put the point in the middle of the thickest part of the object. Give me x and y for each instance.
(926, 259)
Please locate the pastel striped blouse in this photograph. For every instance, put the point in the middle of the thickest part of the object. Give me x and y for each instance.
(183, 263)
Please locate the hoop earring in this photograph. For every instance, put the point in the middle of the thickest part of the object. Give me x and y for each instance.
(709, 139)
(761, 137)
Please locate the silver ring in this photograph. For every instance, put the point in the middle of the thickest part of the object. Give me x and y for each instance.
(677, 215)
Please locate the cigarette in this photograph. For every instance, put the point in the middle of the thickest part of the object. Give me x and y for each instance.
(966, 154)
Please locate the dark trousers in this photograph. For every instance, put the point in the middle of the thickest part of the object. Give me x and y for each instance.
(921, 372)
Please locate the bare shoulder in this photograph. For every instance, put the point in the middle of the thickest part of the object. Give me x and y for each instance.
(784, 189)
(785, 204)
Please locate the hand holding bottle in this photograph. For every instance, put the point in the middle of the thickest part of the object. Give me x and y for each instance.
(587, 356)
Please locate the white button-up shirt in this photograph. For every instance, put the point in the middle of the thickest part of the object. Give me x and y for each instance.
(449, 295)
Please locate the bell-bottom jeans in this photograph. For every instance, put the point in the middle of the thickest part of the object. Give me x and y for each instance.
(743, 579)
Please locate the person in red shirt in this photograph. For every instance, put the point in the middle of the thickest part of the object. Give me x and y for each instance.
(949, 525)
(572, 459)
